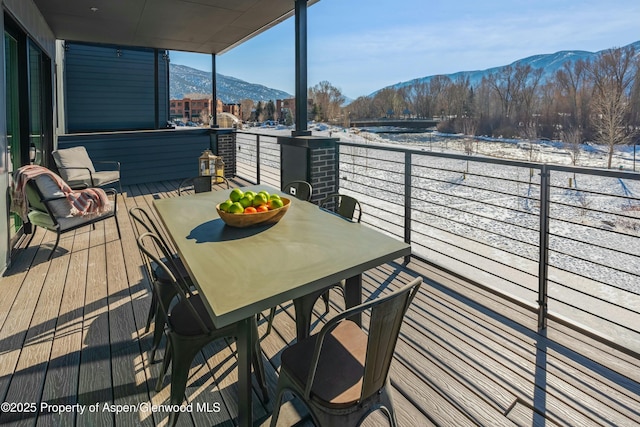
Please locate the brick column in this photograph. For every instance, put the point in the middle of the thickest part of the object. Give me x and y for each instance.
(312, 159)
(223, 143)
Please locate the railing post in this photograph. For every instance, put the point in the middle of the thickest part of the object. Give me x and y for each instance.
(543, 262)
(407, 202)
(258, 159)
(336, 178)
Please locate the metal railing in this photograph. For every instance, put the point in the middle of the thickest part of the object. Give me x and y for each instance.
(258, 158)
(560, 240)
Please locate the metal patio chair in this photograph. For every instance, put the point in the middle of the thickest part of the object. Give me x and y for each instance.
(342, 373)
(50, 209)
(189, 327)
(349, 208)
(166, 292)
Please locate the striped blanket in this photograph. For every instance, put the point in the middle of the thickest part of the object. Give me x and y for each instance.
(90, 201)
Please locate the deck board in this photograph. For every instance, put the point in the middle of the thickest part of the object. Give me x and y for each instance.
(95, 384)
(61, 386)
(72, 331)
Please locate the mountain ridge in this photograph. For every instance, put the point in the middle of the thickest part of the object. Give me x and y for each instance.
(549, 62)
(184, 80)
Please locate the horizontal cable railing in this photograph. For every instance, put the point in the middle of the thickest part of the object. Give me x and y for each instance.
(258, 158)
(561, 240)
(484, 219)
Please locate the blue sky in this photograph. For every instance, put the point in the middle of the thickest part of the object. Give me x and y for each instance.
(361, 46)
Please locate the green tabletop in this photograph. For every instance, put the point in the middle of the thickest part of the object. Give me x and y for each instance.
(241, 272)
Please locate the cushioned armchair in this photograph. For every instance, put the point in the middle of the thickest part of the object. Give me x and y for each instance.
(49, 208)
(77, 169)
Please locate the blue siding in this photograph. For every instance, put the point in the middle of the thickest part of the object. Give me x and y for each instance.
(109, 88)
(146, 156)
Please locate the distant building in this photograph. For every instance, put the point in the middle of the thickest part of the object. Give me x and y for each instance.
(197, 108)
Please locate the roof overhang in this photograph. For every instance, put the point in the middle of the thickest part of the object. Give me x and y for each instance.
(202, 26)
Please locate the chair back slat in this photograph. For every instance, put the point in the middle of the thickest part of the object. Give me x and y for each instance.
(343, 205)
(301, 190)
(143, 223)
(202, 184)
(150, 244)
(347, 207)
(143, 219)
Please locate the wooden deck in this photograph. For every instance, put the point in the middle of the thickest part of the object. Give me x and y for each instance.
(72, 332)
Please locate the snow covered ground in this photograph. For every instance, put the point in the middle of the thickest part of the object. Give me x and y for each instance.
(484, 223)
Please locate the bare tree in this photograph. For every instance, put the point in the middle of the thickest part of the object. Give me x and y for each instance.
(571, 83)
(502, 84)
(246, 106)
(361, 108)
(420, 100)
(328, 100)
(572, 137)
(527, 94)
(384, 101)
(612, 74)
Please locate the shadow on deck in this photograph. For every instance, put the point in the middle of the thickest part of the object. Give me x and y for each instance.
(72, 332)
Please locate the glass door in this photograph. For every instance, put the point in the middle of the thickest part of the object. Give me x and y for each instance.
(39, 66)
(11, 90)
(13, 118)
(29, 106)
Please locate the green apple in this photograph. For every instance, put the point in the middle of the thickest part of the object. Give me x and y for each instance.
(236, 208)
(275, 203)
(224, 206)
(236, 194)
(247, 200)
(260, 199)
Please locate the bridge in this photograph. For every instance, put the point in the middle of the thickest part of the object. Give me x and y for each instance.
(407, 123)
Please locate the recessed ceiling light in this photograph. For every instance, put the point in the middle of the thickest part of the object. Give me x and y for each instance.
(94, 9)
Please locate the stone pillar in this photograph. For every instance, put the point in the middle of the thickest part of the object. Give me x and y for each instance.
(312, 159)
(223, 143)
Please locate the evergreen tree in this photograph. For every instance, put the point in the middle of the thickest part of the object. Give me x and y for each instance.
(259, 111)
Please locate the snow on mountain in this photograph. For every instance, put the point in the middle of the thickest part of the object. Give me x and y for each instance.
(185, 80)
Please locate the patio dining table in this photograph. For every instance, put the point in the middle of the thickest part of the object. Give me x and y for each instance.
(243, 271)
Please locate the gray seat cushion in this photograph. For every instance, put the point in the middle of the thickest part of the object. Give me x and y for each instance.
(99, 179)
